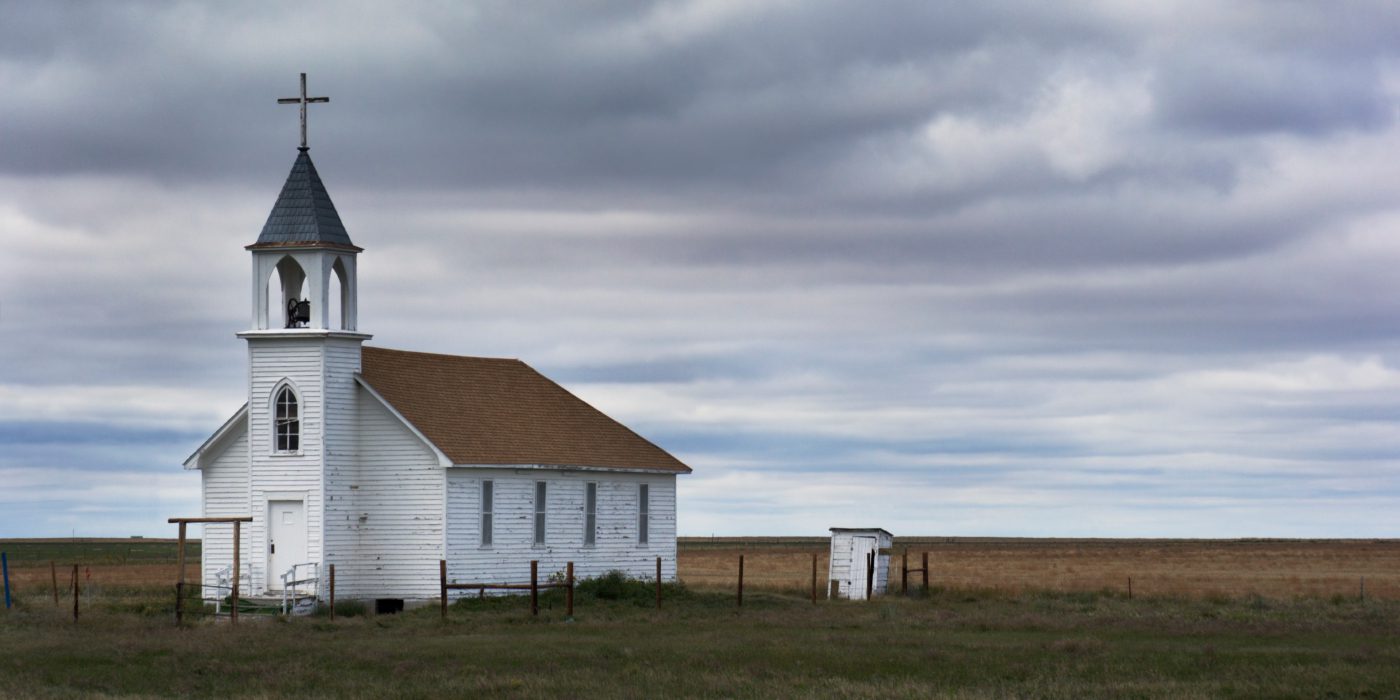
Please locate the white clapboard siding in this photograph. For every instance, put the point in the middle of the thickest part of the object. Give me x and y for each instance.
(342, 362)
(388, 516)
(224, 482)
(302, 362)
(507, 559)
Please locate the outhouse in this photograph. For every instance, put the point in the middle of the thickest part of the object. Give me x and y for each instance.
(860, 562)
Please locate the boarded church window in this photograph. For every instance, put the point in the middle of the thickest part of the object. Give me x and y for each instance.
(486, 508)
(539, 511)
(590, 513)
(288, 422)
(643, 513)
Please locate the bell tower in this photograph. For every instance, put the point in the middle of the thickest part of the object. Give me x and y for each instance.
(303, 355)
(304, 242)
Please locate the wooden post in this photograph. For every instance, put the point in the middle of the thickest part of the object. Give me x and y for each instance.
(870, 575)
(904, 573)
(5, 566)
(53, 572)
(237, 572)
(569, 592)
(1363, 589)
(534, 587)
(75, 592)
(741, 581)
(332, 591)
(1130, 588)
(179, 580)
(814, 578)
(925, 573)
(442, 582)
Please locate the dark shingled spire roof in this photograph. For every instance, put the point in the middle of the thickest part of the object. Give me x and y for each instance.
(304, 214)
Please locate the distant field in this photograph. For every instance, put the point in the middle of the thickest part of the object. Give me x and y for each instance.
(1191, 568)
(1188, 568)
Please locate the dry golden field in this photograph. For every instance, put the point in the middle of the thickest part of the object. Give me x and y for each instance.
(1186, 568)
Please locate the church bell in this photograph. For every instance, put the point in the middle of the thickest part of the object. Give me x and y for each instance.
(298, 313)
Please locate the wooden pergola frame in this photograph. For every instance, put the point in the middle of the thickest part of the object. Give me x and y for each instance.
(180, 582)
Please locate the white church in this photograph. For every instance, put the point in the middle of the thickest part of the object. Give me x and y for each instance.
(382, 462)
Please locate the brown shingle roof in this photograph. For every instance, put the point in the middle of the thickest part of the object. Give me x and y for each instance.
(481, 410)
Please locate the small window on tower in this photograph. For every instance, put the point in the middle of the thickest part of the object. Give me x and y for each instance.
(288, 428)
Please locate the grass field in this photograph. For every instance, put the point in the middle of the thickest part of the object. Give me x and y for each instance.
(965, 640)
(962, 644)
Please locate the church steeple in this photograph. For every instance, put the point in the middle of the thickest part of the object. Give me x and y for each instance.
(306, 244)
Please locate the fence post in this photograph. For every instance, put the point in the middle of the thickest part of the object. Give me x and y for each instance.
(237, 571)
(53, 573)
(814, 578)
(741, 580)
(926, 573)
(442, 584)
(1130, 588)
(534, 587)
(332, 591)
(5, 565)
(870, 576)
(569, 592)
(904, 573)
(179, 581)
(1363, 589)
(658, 583)
(75, 593)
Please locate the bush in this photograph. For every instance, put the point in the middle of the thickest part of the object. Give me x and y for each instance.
(617, 585)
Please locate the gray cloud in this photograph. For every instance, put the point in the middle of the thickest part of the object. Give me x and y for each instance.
(1126, 262)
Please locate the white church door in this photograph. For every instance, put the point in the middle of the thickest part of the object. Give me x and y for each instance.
(286, 539)
(861, 549)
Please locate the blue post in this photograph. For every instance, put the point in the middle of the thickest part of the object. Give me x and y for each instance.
(5, 564)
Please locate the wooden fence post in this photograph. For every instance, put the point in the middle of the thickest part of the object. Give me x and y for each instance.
(75, 592)
(870, 576)
(332, 591)
(925, 573)
(5, 566)
(442, 580)
(53, 572)
(741, 581)
(1130, 588)
(658, 583)
(569, 592)
(179, 581)
(814, 578)
(237, 571)
(904, 573)
(534, 586)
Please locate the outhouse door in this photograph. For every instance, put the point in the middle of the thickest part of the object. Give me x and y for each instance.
(286, 539)
(861, 548)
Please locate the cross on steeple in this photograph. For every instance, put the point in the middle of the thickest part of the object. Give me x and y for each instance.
(303, 101)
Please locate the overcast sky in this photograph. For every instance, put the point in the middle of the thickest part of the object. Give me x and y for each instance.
(996, 268)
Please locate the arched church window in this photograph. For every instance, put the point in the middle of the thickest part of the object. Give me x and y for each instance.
(288, 423)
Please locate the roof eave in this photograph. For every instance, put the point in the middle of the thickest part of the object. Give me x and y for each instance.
(304, 245)
(194, 461)
(575, 467)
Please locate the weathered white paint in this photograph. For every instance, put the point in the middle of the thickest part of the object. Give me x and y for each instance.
(848, 563)
(224, 483)
(384, 513)
(507, 559)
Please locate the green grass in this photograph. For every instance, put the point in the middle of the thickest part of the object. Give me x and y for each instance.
(965, 644)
